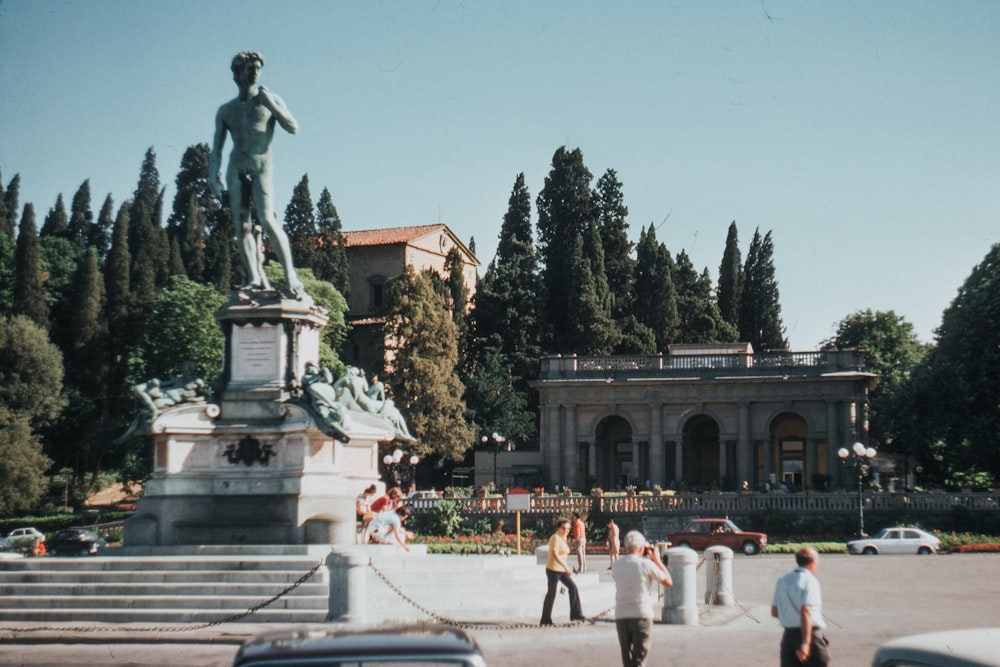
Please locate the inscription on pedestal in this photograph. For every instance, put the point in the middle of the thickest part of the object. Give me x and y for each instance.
(256, 352)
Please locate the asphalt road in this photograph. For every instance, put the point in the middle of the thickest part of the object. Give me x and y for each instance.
(867, 600)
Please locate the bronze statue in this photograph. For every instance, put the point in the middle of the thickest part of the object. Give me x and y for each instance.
(250, 118)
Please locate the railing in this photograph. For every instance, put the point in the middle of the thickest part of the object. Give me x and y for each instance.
(728, 503)
(674, 365)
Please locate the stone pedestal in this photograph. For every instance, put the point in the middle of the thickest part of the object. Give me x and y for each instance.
(254, 467)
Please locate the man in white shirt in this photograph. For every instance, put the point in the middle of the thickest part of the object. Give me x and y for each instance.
(636, 575)
(798, 606)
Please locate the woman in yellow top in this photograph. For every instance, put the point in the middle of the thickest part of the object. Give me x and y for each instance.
(557, 572)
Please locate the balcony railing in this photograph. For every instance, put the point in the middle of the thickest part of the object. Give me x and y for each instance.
(698, 365)
(727, 503)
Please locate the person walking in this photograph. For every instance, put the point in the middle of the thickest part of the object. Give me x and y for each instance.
(636, 575)
(798, 606)
(613, 542)
(578, 537)
(557, 572)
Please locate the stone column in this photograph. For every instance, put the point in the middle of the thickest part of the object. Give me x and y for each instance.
(744, 445)
(656, 446)
(572, 448)
(349, 599)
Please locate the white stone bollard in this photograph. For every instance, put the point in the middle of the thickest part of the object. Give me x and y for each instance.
(719, 576)
(348, 570)
(682, 598)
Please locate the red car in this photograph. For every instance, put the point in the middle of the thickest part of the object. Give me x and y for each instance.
(702, 533)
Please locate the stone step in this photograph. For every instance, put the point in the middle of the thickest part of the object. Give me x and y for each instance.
(172, 577)
(49, 589)
(153, 616)
(161, 563)
(230, 603)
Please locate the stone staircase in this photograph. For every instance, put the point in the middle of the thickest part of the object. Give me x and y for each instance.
(194, 585)
(166, 585)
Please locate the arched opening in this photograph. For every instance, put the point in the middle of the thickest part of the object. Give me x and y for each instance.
(701, 454)
(789, 434)
(615, 468)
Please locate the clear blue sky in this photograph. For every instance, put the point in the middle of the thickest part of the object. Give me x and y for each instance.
(864, 135)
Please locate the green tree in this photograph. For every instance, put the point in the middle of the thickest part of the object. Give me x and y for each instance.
(57, 221)
(892, 350)
(730, 289)
(22, 467)
(760, 308)
(565, 211)
(458, 301)
(495, 405)
(81, 217)
(7, 246)
(31, 373)
(10, 199)
(423, 380)
(300, 225)
(99, 234)
(29, 290)
(953, 402)
(330, 263)
(180, 326)
(656, 298)
(334, 334)
(590, 329)
(220, 252)
(619, 266)
(148, 247)
(507, 304)
(193, 209)
(700, 319)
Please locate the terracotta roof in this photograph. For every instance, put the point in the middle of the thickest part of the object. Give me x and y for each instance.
(390, 236)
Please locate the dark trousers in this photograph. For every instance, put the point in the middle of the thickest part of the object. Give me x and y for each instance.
(819, 652)
(554, 579)
(634, 640)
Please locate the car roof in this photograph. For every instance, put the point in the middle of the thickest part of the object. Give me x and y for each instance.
(387, 643)
(974, 647)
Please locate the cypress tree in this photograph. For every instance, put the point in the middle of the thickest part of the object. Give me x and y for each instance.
(565, 210)
(730, 288)
(143, 245)
(656, 298)
(10, 197)
(6, 229)
(618, 263)
(81, 217)
(117, 284)
(29, 292)
(589, 329)
(760, 310)
(458, 296)
(99, 234)
(423, 378)
(300, 225)
(56, 222)
(330, 263)
(220, 252)
(506, 317)
(193, 209)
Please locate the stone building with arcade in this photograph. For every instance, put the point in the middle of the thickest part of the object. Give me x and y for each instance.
(701, 417)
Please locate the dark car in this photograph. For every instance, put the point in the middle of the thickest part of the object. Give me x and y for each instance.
(419, 644)
(76, 541)
(703, 533)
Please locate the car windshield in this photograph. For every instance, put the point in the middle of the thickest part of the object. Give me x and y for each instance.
(882, 534)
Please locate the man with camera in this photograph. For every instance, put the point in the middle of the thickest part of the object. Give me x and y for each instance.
(636, 575)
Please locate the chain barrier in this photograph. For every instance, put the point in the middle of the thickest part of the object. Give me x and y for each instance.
(181, 628)
(475, 626)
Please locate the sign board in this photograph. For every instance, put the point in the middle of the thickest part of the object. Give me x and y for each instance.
(518, 500)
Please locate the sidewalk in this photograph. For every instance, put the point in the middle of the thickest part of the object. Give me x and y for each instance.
(867, 600)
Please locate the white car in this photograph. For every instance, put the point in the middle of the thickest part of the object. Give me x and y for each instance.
(950, 648)
(18, 533)
(898, 540)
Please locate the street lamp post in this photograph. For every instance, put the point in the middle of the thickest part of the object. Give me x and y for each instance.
(497, 440)
(400, 474)
(861, 460)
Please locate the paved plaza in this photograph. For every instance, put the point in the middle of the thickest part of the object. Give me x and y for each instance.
(867, 600)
